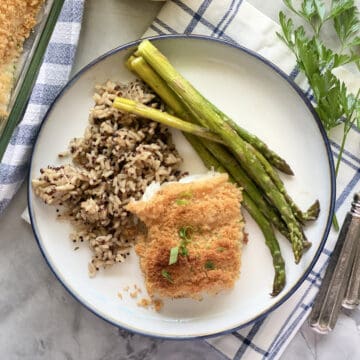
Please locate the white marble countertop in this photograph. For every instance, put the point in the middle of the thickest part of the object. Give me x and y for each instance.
(40, 320)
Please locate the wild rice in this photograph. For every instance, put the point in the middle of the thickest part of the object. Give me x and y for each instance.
(117, 158)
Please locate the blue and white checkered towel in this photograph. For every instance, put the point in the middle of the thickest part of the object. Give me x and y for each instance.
(53, 75)
(237, 21)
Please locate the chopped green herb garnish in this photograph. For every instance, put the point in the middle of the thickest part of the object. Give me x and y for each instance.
(167, 276)
(183, 250)
(186, 195)
(182, 202)
(185, 235)
(182, 232)
(220, 249)
(174, 252)
(209, 265)
(184, 198)
(185, 232)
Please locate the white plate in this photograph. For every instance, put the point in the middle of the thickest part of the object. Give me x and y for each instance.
(259, 97)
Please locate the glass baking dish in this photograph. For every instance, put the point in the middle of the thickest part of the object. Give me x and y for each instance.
(27, 68)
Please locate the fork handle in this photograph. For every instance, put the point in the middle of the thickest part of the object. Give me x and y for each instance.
(352, 295)
(328, 301)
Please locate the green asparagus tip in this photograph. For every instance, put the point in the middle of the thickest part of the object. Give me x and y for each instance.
(298, 255)
(279, 283)
(280, 274)
(277, 288)
(307, 245)
(313, 212)
(285, 168)
(298, 248)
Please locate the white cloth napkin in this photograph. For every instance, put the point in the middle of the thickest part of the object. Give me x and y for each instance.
(238, 21)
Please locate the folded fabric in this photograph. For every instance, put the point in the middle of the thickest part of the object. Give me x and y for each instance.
(53, 75)
(238, 22)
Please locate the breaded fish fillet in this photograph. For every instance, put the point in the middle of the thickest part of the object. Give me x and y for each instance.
(198, 227)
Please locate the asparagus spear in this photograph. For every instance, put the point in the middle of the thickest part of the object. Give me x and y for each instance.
(247, 157)
(147, 49)
(148, 112)
(311, 214)
(139, 66)
(272, 244)
(279, 265)
(273, 158)
(243, 151)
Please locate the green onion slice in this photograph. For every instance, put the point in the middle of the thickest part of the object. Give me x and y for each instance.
(174, 253)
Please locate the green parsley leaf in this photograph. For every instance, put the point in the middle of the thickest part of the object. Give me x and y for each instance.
(307, 9)
(209, 265)
(320, 9)
(174, 252)
(220, 249)
(339, 6)
(289, 4)
(354, 42)
(347, 25)
(287, 27)
(167, 276)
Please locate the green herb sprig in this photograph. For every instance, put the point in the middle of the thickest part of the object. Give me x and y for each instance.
(185, 233)
(167, 276)
(335, 105)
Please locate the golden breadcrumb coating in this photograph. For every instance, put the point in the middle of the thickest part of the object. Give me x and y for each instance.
(17, 19)
(209, 212)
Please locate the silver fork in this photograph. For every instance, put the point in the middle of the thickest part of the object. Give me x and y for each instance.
(341, 284)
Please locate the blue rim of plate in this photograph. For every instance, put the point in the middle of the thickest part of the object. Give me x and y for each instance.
(285, 77)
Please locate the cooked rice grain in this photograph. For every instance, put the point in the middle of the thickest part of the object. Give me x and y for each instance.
(117, 158)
